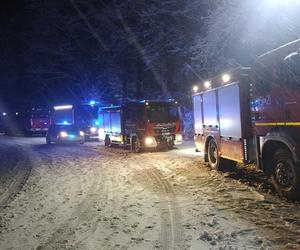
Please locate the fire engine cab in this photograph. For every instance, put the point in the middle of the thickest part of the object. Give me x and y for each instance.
(252, 115)
(141, 125)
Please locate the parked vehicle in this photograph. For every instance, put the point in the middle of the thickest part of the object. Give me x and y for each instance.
(83, 116)
(141, 125)
(64, 134)
(86, 117)
(252, 115)
(36, 121)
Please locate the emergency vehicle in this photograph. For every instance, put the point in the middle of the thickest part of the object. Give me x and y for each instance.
(35, 121)
(83, 115)
(141, 125)
(252, 115)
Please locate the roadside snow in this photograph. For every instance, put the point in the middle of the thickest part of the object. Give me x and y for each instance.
(92, 197)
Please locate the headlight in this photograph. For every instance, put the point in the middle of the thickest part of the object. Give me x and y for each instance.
(93, 129)
(149, 141)
(179, 137)
(81, 133)
(63, 134)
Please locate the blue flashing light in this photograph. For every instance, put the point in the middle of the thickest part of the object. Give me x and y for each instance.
(92, 102)
(63, 123)
(97, 123)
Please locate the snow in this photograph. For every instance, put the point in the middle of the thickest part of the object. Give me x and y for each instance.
(92, 197)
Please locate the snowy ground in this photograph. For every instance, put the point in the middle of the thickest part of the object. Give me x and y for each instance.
(91, 197)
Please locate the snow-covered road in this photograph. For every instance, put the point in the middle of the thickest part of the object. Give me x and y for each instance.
(92, 197)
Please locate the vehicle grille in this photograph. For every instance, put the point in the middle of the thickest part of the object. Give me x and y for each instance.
(164, 130)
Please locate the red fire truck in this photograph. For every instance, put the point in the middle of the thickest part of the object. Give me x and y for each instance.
(140, 125)
(36, 121)
(252, 115)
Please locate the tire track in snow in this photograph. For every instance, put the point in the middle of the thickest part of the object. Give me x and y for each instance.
(18, 178)
(170, 213)
(83, 215)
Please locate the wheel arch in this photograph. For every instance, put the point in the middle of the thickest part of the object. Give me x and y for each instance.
(270, 145)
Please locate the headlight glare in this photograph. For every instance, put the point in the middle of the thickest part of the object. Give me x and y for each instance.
(93, 129)
(63, 134)
(149, 140)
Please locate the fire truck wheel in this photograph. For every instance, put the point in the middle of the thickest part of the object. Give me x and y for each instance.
(107, 141)
(136, 145)
(286, 175)
(214, 160)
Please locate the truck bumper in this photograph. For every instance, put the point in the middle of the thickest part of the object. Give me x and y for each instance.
(161, 141)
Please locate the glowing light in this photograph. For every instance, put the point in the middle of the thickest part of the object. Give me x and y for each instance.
(149, 140)
(281, 2)
(81, 133)
(4, 114)
(63, 107)
(101, 134)
(93, 130)
(17, 113)
(63, 134)
(226, 78)
(207, 84)
(178, 137)
(65, 123)
(92, 103)
(195, 88)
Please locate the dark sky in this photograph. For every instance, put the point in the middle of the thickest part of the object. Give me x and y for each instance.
(51, 53)
(13, 19)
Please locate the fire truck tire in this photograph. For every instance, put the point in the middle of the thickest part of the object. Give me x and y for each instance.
(286, 175)
(107, 142)
(214, 160)
(136, 145)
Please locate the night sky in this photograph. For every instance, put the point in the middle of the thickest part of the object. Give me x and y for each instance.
(67, 51)
(70, 51)
(25, 29)
(13, 19)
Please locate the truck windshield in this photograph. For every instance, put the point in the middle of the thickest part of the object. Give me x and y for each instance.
(162, 112)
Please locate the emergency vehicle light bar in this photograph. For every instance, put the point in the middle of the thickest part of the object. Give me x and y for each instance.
(63, 107)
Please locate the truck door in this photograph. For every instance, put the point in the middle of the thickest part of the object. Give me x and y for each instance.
(267, 104)
(133, 118)
(210, 122)
(290, 80)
